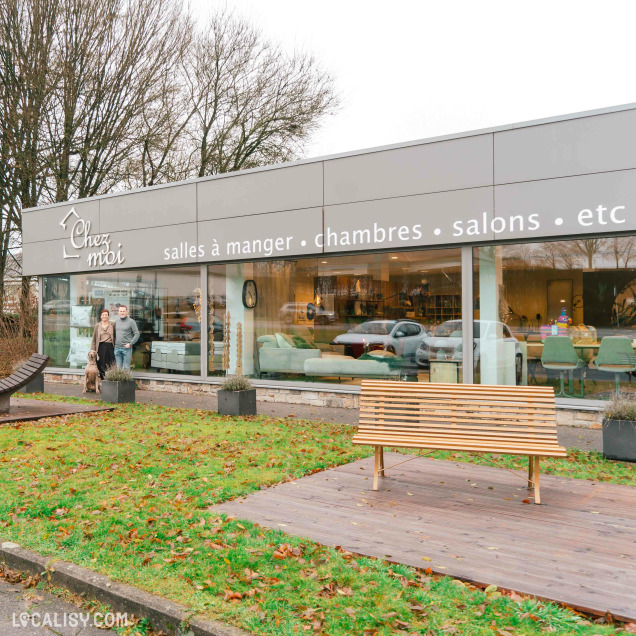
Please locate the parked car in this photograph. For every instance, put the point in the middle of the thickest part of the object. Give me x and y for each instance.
(401, 337)
(305, 311)
(445, 342)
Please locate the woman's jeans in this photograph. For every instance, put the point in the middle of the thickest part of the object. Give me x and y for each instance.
(123, 356)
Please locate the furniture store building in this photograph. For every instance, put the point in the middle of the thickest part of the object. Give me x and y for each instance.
(444, 260)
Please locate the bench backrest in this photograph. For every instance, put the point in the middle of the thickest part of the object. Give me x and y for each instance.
(466, 410)
(32, 368)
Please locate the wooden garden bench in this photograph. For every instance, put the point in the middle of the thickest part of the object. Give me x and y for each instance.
(27, 372)
(515, 420)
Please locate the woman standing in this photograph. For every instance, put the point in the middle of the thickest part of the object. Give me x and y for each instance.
(104, 342)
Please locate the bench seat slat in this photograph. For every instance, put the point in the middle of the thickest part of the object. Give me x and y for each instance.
(445, 400)
(460, 425)
(491, 389)
(469, 432)
(495, 449)
(489, 441)
(436, 416)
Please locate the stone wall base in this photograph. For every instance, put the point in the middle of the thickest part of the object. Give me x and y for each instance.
(565, 417)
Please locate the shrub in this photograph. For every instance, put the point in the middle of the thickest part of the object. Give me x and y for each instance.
(621, 408)
(18, 336)
(18, 364)
(236, 383)
(117, 374)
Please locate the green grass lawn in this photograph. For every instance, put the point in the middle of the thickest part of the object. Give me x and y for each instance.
(127, 493)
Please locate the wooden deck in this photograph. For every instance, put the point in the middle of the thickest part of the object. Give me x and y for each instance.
(24, 410)
(578, 548)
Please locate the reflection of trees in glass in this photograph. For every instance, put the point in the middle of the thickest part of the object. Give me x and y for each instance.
(559, 255)
(589, 248)
(624, 310)
(621, 248)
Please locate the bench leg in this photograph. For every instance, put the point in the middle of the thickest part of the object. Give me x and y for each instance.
(537, 492)
(381, 461)
(376, 467)
(5, 403)
(530, 471)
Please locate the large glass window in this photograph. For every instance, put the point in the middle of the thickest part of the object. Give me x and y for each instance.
(165, 304)
(561, 314)
(340, 318)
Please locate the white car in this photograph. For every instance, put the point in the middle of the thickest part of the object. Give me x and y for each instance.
(445, 342)
(401, 337)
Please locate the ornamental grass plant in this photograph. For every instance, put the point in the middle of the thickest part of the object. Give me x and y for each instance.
(236, 383)
(621, 407)
(118, 374)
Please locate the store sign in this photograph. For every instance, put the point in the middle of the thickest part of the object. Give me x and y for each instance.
(359, 232)
(97, 249)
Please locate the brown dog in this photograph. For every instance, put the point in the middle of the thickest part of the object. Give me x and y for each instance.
(92, 381)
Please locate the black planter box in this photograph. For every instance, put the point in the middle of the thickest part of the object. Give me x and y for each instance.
(118, 392)
(619, 440)
(35, 386)
(237, 402)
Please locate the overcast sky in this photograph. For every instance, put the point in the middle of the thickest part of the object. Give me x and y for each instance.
(412, 69)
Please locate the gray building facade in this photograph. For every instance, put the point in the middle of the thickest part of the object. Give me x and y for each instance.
(447, 259)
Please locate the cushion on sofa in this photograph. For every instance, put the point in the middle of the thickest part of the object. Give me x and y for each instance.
(284, 341)
(380, 353)
(269, 342)
(302, 343)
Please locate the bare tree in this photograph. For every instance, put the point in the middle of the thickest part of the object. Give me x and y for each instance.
(112, 58)
(99, 95)
(252, 104)
(27, 32)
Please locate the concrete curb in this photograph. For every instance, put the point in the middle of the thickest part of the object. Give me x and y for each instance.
(162, 613)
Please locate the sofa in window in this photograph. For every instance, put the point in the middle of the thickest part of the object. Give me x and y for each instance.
(307, 333)
(375, 364)
(176, 356)
(279, 353)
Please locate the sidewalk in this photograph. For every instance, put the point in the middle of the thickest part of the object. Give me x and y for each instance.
(569, 436)
(34, 612)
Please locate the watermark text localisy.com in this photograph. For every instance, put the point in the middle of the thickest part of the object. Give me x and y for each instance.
(101, 620)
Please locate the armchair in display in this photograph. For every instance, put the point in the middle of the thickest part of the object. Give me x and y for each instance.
(616, 355)
(559, 354)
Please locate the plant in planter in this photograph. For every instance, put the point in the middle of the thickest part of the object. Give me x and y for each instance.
(118, 385)
(619, 429)
(236, 396)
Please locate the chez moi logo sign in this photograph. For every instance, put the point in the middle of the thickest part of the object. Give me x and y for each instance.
(97, 248)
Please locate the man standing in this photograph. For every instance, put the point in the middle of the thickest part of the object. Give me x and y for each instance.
(126, 334)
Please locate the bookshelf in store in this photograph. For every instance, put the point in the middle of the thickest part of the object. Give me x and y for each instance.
(439, 308)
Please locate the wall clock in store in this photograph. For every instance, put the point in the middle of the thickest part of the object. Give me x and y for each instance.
(250, 294)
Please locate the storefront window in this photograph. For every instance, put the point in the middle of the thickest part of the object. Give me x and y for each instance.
(561, 314)
(164, 303)
(342, 319)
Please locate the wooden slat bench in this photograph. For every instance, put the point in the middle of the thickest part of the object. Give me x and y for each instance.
(515, 420)
(27, 372)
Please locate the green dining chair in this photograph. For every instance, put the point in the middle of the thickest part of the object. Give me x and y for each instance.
(616, 355)
(559, 354)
